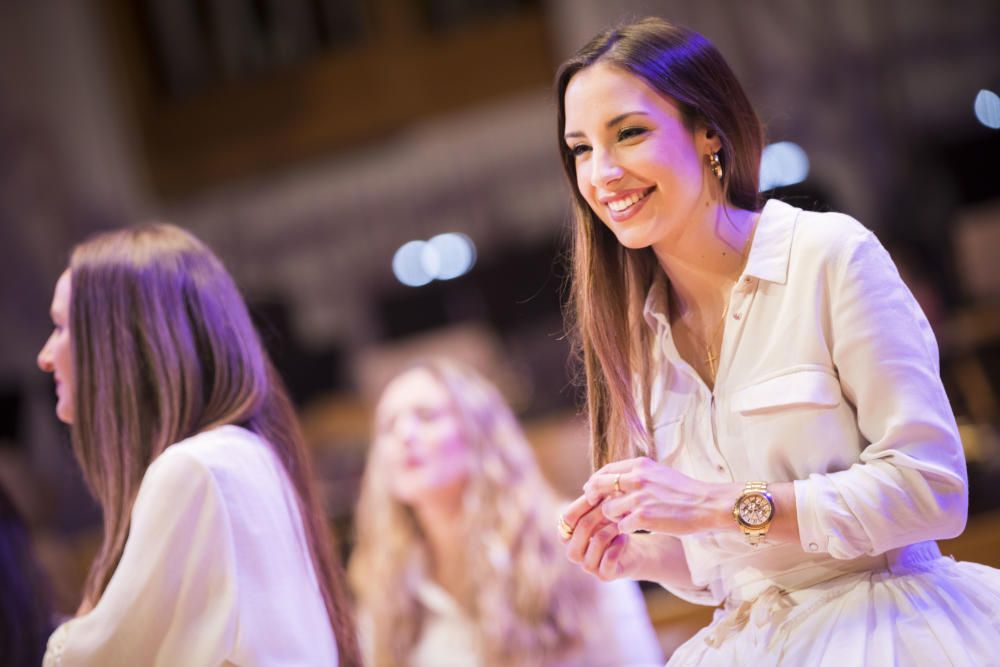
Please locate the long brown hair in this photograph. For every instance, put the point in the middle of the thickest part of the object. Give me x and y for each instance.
(163, 349)
(610, 282)
(531, 606)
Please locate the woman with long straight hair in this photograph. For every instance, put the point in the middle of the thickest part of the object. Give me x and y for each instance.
(768, 423)
(215, 548)
(456, 563)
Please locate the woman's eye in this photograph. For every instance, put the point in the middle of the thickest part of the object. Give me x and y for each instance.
(579, 149)
(630, 132)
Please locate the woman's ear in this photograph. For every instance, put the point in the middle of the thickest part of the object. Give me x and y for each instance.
(707, 139)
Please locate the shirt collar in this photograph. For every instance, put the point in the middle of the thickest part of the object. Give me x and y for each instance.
(768, 259)
(656, 307)
(437, 599)
(772, 242)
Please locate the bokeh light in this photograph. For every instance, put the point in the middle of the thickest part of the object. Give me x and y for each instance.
(783, 163)
(987, 108)
(443, 257)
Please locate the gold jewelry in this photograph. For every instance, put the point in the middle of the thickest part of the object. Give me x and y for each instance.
(617, 487)
(565, 530)
(754, 512)
(710, 357)
(715, 165)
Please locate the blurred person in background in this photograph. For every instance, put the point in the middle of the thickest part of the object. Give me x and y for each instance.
(456, 562)
(25, 609)
(215, 547)
(768, 423)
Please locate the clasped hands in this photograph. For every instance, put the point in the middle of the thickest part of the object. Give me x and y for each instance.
(600, 527)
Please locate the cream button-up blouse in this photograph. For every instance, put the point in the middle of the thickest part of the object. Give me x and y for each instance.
(215, 571)
(828, 377)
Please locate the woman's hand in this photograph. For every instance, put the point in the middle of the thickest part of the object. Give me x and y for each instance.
(597, 545)
(640, 494)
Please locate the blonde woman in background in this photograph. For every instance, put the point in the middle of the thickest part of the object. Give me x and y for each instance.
(456, 561)
(215, 548)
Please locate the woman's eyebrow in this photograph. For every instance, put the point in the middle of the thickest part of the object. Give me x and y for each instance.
(611, 123)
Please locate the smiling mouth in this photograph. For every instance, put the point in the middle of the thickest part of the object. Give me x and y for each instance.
(625, 203)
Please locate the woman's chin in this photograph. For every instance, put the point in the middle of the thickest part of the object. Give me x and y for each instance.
(64, 414)
(633, 241)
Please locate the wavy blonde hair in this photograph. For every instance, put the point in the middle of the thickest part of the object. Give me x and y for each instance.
(163, 349)
(529, 603)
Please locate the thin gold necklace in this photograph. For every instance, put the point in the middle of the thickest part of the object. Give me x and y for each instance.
(710, 357)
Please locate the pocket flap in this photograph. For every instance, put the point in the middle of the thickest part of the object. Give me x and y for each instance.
(813, 387)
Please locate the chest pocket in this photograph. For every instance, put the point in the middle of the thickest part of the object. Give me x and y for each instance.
(805, 388)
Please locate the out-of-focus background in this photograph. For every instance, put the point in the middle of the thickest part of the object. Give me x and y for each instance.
(382, 179)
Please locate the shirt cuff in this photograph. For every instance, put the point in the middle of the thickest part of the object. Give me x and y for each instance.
(811, 535)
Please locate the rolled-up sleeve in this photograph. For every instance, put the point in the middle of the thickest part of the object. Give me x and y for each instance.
(910, 482)
(172, 598)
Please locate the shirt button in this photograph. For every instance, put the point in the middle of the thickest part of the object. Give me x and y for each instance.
(813, 546)
(720, 468)
(737, 316)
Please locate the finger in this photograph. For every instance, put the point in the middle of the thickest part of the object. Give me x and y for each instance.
(576, 509)
(601, 486)
(633, 521)
(612, 565)
(597, 546)
(585, 528)
(624, 465)
(616, 507)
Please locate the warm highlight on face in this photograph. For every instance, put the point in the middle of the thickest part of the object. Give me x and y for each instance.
(638, 166)
(56, 356)
(420, 439)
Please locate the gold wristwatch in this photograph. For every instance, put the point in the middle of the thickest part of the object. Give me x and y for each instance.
(754, 511)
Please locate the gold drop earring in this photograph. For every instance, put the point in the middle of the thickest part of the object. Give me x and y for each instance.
(715, 165)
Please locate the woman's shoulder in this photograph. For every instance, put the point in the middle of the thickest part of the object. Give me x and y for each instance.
(216, 446)
(215, 453)
(822, 236)
(826, 227)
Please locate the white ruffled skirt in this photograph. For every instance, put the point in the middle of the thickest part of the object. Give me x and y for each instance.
(921, 609)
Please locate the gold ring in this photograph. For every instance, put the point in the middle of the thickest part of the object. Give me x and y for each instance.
(565, 530)
(617, 487)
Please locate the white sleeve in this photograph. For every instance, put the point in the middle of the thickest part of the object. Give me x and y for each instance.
(172, 599)
(910, 484)
(623, 635)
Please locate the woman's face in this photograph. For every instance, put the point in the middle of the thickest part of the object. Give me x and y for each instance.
(56, 356)
(641, 170)
(421, 439)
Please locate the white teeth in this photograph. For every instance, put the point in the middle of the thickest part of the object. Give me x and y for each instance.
(619, 205)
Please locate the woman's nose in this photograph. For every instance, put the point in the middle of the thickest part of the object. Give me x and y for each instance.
(44, 358)
(605, 169)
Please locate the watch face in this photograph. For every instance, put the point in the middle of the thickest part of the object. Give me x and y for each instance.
(755, 509)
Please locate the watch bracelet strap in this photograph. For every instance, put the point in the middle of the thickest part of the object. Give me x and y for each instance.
(758, 536)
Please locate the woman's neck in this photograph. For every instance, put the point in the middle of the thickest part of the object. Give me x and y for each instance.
(703, 263)
(440, 521)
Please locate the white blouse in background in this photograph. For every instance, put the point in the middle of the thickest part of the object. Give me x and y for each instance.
(216, 570)
(623, 635)
(828, 377)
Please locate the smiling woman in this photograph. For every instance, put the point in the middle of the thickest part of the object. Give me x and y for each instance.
(762, 440)
(640, 171)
